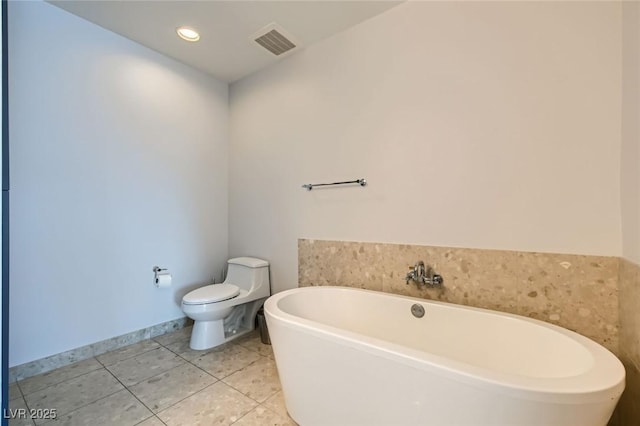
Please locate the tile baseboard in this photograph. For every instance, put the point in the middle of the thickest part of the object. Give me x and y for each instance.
(52, 362)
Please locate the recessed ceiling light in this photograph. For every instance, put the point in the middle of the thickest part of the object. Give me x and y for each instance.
(187, 33)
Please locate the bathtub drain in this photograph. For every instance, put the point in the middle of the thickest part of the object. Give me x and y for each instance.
(417, 310)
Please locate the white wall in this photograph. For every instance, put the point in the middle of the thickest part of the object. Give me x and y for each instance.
(487, 125)
(119, 162)
(630, 164)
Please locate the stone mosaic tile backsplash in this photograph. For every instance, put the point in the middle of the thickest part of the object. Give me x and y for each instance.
(629, 405)
(630, 312)
(574, 291)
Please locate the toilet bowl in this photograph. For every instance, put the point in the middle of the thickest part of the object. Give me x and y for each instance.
(222, 312)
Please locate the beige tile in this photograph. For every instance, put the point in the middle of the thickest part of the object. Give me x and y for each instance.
(629, 406)
(164, 390)
(576, 292)
(181, 347)
(149, 364)
(225, 360)
(480, 278)
(166, 339)
(19, 413)
(14, 391)
(310, 269)
(119, 409)
(152, 421)
(258, 381)
(346, 264)
(53, 377)
(75, 393)
(261, 416)
(629, 311)
(276, 404)
(218, 404)
(398, 261)
(573, 291)
(253, 342)
(127, 352)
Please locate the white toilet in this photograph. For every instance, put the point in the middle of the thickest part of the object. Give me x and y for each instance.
(228, 310)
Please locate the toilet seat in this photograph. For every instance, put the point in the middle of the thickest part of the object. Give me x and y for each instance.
(211, 294)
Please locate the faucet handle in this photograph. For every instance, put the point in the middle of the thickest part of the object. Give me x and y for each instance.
(437, 280)
(410, 276)
(433, 279)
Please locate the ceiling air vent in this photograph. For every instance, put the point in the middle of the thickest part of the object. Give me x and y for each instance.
(273, 38)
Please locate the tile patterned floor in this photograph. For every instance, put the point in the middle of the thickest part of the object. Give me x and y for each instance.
(161, 382)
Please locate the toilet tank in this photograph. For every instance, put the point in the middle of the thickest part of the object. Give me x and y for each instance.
(249, 273)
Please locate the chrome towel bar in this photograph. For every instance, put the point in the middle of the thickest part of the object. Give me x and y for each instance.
(310, 186)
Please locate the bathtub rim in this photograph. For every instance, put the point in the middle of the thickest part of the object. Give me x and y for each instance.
(595, 385)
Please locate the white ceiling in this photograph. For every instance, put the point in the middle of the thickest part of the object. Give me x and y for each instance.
(226, 49)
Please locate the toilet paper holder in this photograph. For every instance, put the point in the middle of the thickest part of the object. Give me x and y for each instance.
(162, 277)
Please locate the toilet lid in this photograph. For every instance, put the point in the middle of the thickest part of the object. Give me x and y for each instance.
(211, 293)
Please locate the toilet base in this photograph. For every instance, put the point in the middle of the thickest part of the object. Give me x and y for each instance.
(207, 334)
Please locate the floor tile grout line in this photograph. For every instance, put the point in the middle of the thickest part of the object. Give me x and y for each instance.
(90, 349)
(58, 415)
(204, 351)
(287, 416)
(245, 415)
(127, 358)
(255, 351)
(146, 378)
(217, 381)
(169, 343)
(142, 421)
(57, 383)
(247, 396)
(63, 381)
(100, 366)
(171, 369)
(203, 370)
(210, 350)
(134, 395)
(263, 406)
(33, 422)
(186, 397)
(19, 390)
(232, 387)
(221, 379)
(186, 361)
(232, 373)
(245, 338)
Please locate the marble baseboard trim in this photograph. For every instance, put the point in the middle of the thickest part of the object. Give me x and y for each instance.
(52, 362)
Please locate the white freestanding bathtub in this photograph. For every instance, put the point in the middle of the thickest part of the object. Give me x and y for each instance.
(357, 357)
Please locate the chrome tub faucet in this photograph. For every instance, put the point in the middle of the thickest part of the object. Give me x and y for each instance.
(424, 275)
